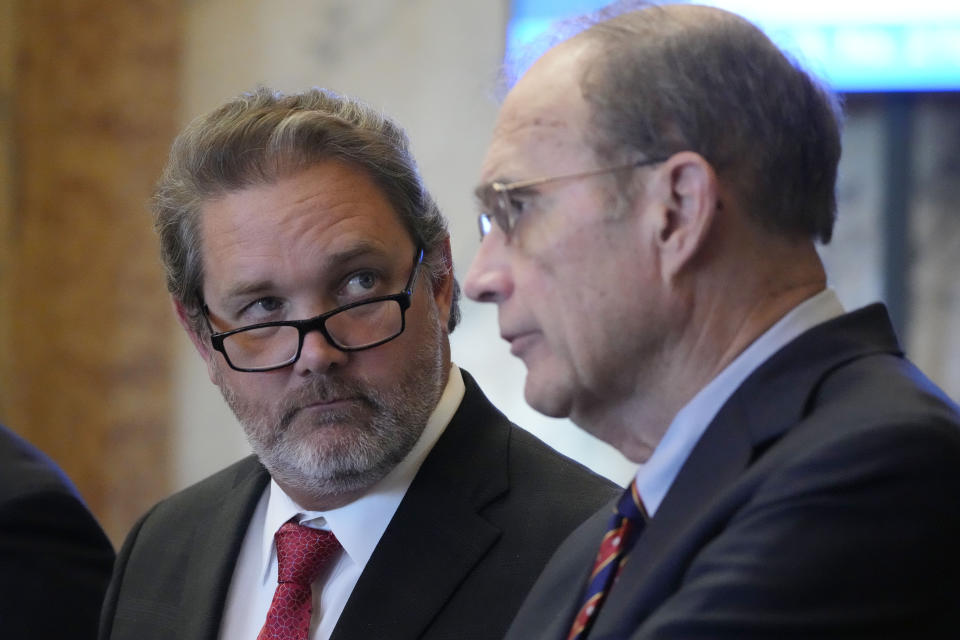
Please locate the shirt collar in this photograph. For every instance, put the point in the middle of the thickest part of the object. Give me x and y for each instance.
(658, 473)
(359, 525)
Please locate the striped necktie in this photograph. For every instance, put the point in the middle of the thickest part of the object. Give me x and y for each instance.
(625, 527)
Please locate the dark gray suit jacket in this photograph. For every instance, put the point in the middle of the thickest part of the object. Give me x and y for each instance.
(822, 501)
(484, 513)
(55, 560)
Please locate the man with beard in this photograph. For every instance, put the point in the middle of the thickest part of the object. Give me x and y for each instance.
(387, 497)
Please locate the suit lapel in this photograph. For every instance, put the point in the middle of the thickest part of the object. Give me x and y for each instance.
(774, 398)
(651, 565)
(437, 534)
(213, 554)
(549, 609)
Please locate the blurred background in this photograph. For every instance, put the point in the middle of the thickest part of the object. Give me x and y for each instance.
(93, 368)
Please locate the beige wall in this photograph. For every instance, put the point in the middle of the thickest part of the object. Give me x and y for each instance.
(431, 64)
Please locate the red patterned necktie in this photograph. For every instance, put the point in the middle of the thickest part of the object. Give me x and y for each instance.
(302, 553)
(625, 526)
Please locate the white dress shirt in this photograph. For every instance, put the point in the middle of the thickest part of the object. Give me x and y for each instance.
(358, 526)
(656, 475)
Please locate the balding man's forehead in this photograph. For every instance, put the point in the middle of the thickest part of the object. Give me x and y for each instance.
(518, 123)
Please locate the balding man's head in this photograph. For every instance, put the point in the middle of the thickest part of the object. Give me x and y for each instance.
(685, 77)
(650, 196)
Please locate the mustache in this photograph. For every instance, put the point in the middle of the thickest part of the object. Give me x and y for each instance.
(324, 389)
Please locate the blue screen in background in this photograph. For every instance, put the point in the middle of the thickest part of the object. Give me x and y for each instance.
(856, 46)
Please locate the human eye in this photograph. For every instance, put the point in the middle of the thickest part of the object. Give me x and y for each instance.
(265, 309)
(359, 285)
(517, 203)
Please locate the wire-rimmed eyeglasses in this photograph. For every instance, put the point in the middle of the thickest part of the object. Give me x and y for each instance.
(504, 211)
(353, 327)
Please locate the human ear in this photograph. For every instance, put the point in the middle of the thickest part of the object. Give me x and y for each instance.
(688, 195)
(443, 285)
(204, 349)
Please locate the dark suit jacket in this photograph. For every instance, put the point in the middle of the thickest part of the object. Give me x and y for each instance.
(55, 560)
(822, 501)
(487, 508)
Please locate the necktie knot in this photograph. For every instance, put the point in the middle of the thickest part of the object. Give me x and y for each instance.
(303, 552)
(630, 506)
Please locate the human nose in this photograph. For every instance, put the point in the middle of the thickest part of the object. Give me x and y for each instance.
(317, 355)
(488, 279)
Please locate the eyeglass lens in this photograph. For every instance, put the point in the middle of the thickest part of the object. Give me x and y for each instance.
(353, 328)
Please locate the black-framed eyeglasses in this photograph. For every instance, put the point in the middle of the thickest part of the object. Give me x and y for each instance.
(504, 211)
(353, 327)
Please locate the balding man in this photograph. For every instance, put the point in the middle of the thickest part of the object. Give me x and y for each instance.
(651, 200)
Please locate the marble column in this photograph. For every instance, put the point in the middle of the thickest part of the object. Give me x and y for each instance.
(89, 98)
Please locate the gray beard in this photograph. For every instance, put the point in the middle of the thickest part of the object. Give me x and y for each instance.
(349, 450)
